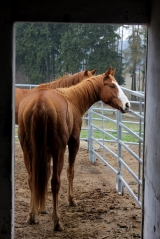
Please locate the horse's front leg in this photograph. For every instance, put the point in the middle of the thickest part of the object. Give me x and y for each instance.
(73, 147)
(55, 185)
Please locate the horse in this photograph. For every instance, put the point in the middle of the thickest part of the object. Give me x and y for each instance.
(49, 120)
(19, 94)
(64, 81)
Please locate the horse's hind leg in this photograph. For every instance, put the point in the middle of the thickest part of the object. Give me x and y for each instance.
(55, 184)
(24, 141)
(43, 210)
(31, 219)
(32, 213)
(73, 147)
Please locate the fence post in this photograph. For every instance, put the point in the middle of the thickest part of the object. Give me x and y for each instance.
(140, 148)
(119, 183)
(90, 133)
(103, 127)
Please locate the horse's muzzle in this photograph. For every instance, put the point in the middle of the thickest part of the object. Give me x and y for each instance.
(126, 109)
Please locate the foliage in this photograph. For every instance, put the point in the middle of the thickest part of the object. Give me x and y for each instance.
(46, 51)
(135, 56)
(36, 49)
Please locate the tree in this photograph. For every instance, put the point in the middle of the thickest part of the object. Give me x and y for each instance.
(36, 50)
(135, 55)
(104, 51)
(46, 51)
(90, 46)
(31, 49)
(72, 51)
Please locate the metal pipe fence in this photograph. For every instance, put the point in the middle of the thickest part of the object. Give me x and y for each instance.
(113, 138)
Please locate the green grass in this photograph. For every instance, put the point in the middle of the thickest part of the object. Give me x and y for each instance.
(111, 126)
(16, 133)
(98, 135)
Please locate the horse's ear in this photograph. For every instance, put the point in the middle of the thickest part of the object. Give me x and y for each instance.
(93, 71)
(86, 72)
(108, 71)
(113, 72)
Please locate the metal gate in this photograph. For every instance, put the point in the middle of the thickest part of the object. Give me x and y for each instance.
(124, 136)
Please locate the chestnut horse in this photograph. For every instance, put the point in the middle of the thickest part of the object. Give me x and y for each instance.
(64, 81)
(49, 120)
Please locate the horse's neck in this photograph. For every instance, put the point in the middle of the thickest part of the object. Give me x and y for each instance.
(69, 81)
(83, 96)
(64, 82)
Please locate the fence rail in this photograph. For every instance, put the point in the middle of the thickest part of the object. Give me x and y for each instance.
(117, 136)
(123, 147)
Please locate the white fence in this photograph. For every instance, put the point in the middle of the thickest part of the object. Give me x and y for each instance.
(117, 140)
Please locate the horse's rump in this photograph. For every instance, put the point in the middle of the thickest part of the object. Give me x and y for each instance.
(42, 124)
(33, 127)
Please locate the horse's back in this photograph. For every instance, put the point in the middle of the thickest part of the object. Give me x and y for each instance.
(20, 93)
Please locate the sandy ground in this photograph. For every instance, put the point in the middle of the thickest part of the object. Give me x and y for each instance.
(101, 212)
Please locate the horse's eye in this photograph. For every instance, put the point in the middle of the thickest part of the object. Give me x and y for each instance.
(112, 86)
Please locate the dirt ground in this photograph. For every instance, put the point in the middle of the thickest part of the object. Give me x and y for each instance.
(100, 213)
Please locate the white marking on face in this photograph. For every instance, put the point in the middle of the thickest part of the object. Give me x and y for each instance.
(122, 97)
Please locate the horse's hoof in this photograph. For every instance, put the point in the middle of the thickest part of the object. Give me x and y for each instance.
(43, 212)
(58, 227)
(31, 221)
(72, 204)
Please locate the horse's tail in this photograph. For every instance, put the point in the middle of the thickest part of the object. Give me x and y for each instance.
(39, 164)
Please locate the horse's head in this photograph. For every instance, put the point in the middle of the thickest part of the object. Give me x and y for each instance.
(112, 94)
(86, 74)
